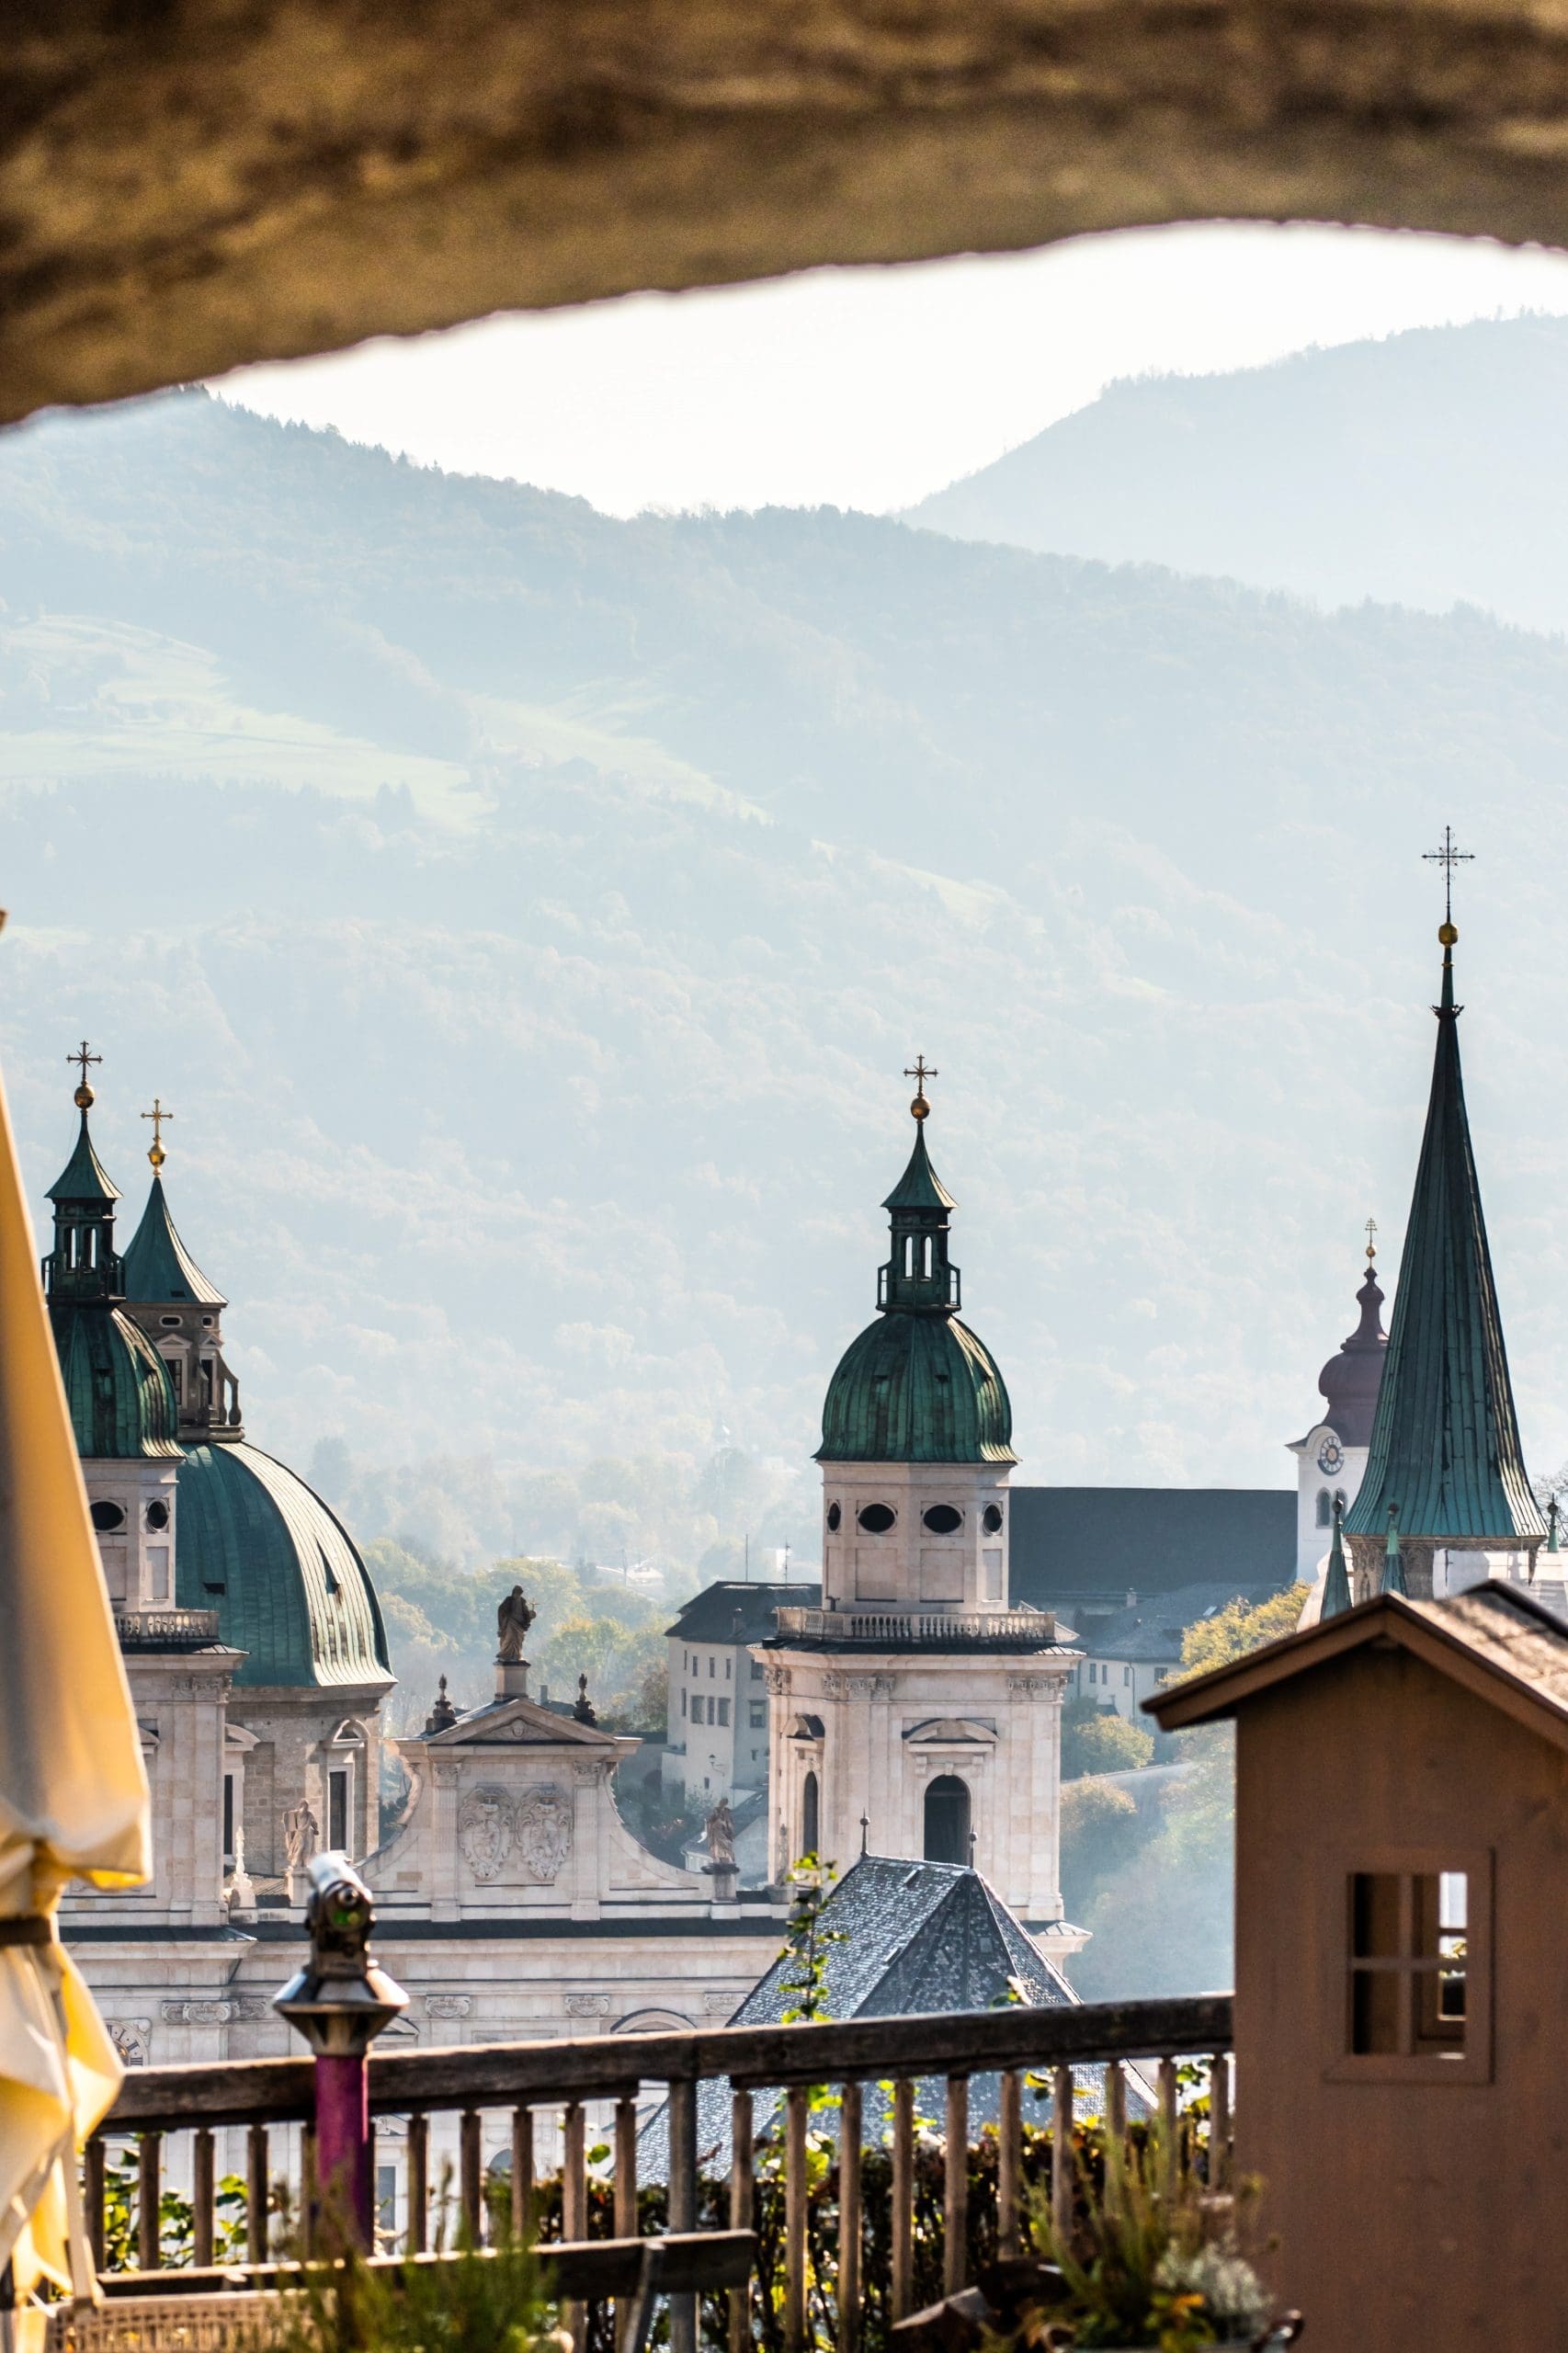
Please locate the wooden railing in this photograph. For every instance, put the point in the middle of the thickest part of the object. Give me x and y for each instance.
(1006, 2048)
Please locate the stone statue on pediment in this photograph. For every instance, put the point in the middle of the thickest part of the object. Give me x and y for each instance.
(720, 1835)
(513, 1618)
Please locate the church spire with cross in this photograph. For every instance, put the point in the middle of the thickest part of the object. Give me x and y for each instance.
(1445, 1465)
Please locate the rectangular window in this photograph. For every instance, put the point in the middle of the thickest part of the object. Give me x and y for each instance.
(1418, 1968)
(756, 1670)
(228, 1817)
(712, 1706)
(1127, 1674)
(682, 1700)
(759, 1717)
(729, 1670)
(386, 2197)
(337, 1809)
(724, 1712)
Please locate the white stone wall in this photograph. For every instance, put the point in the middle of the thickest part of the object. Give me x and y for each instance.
(912, 1566)
(1312, 1539)
(718, 1758)
(890, 1723)
(138, 1556)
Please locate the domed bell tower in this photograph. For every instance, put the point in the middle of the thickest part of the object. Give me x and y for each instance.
(916, 1713)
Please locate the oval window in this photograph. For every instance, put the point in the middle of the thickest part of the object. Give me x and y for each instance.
(877, 1518)
(157, 1515)
(991, 1519)
(944, 1520)
(108, 1516)
(168, 1323)
(835, 1518)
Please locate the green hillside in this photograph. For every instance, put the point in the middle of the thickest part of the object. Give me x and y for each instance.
(529, 916)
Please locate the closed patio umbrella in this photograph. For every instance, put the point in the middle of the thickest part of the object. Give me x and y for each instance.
(72, 1791)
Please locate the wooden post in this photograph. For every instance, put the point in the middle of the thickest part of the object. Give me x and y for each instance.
(257, 2188)
(575, 2206)
(93, 2165)
(1115, 2131)
(470, 2175)
(1219, 2121)
(743, 2206)
(149, 2189)
(626, 2217)
(524, 2211)
(418, 2184)
(1009, 2159)
(204, 2189)
(795, 2116)
(1062, 2165)
(683, 2200)
(310, 2188)
(850, 2130)
(902, 2285)
(955, 2187)
(1170, 2130)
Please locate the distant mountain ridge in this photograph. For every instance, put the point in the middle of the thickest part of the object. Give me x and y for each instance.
(1426, 470)
(529, 916)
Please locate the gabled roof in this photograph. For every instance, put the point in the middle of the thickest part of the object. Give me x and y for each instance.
(83, 1177)
(522, 1723)
(709, 1616)
(1497, 1639)
(1446, 1459)
(920, 1187)
(1069, 1543)
(157, 1264)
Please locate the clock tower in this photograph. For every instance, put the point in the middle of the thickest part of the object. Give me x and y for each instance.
(1332, 1457)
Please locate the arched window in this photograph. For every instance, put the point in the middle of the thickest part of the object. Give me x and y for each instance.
(1325, 1509)
(947, 1820)
(810, 1815)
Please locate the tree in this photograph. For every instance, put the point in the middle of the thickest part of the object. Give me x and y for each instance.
(1240, 1627)
(1100, 1741)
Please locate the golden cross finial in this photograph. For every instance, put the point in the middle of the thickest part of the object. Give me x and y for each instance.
(83, 1098)
(1448, 858)
(1371, 1245)
(920, 1109)
(157, 1115)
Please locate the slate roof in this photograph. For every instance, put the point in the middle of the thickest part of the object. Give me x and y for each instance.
(157, 1264)
(290, 1589)
(1152, 1631)
(1072, 1544)
(1445, 1457)
(917, 1939)
(709, 1617)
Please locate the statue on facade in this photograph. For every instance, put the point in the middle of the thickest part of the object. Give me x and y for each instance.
(302, 1834)
(513, 1618)
(584, 1710)
(720, 1835)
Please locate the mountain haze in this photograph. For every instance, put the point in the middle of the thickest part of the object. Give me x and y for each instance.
(1428, 468)
(529, 916)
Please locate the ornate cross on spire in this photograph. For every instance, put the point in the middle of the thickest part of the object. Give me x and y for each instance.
(84, 1096)
(920, 1109)
(157, 1115)
(1371, 1245)
(1448, 858)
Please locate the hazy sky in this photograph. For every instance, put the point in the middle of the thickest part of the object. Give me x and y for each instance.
(870, 387)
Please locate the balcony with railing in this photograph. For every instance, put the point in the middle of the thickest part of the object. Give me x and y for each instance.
(904, 1629)
(166, 1630)
(760, 2235)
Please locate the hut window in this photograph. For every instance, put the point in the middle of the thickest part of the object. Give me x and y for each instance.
(1416, 1963)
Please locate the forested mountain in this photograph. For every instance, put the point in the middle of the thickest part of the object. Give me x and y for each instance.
(1427, 470)
(529, 916)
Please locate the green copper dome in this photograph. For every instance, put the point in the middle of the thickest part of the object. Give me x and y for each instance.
(119, 1394)
(917, 1386)
(290, 1589)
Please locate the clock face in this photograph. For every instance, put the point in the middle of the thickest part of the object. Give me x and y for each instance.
(1331, 1456)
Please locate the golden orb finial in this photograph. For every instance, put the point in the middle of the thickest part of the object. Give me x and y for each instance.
(1448, 933)
(920, 1109)
(157, 1115)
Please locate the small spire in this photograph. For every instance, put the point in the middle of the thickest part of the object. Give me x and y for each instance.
(1371, 1230)
(443, 1715)
(1337, 1580)
(1393, 1565)
(584, 1710)
(157, 1115)
(920, 1109)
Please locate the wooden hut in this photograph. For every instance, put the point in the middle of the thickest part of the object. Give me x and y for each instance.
(1401, 1965)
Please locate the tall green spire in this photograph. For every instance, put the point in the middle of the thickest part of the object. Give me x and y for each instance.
(1335, 1579)
(83, 1265)
(1445, 1457)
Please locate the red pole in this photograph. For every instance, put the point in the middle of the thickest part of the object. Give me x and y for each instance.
(343, 2145)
